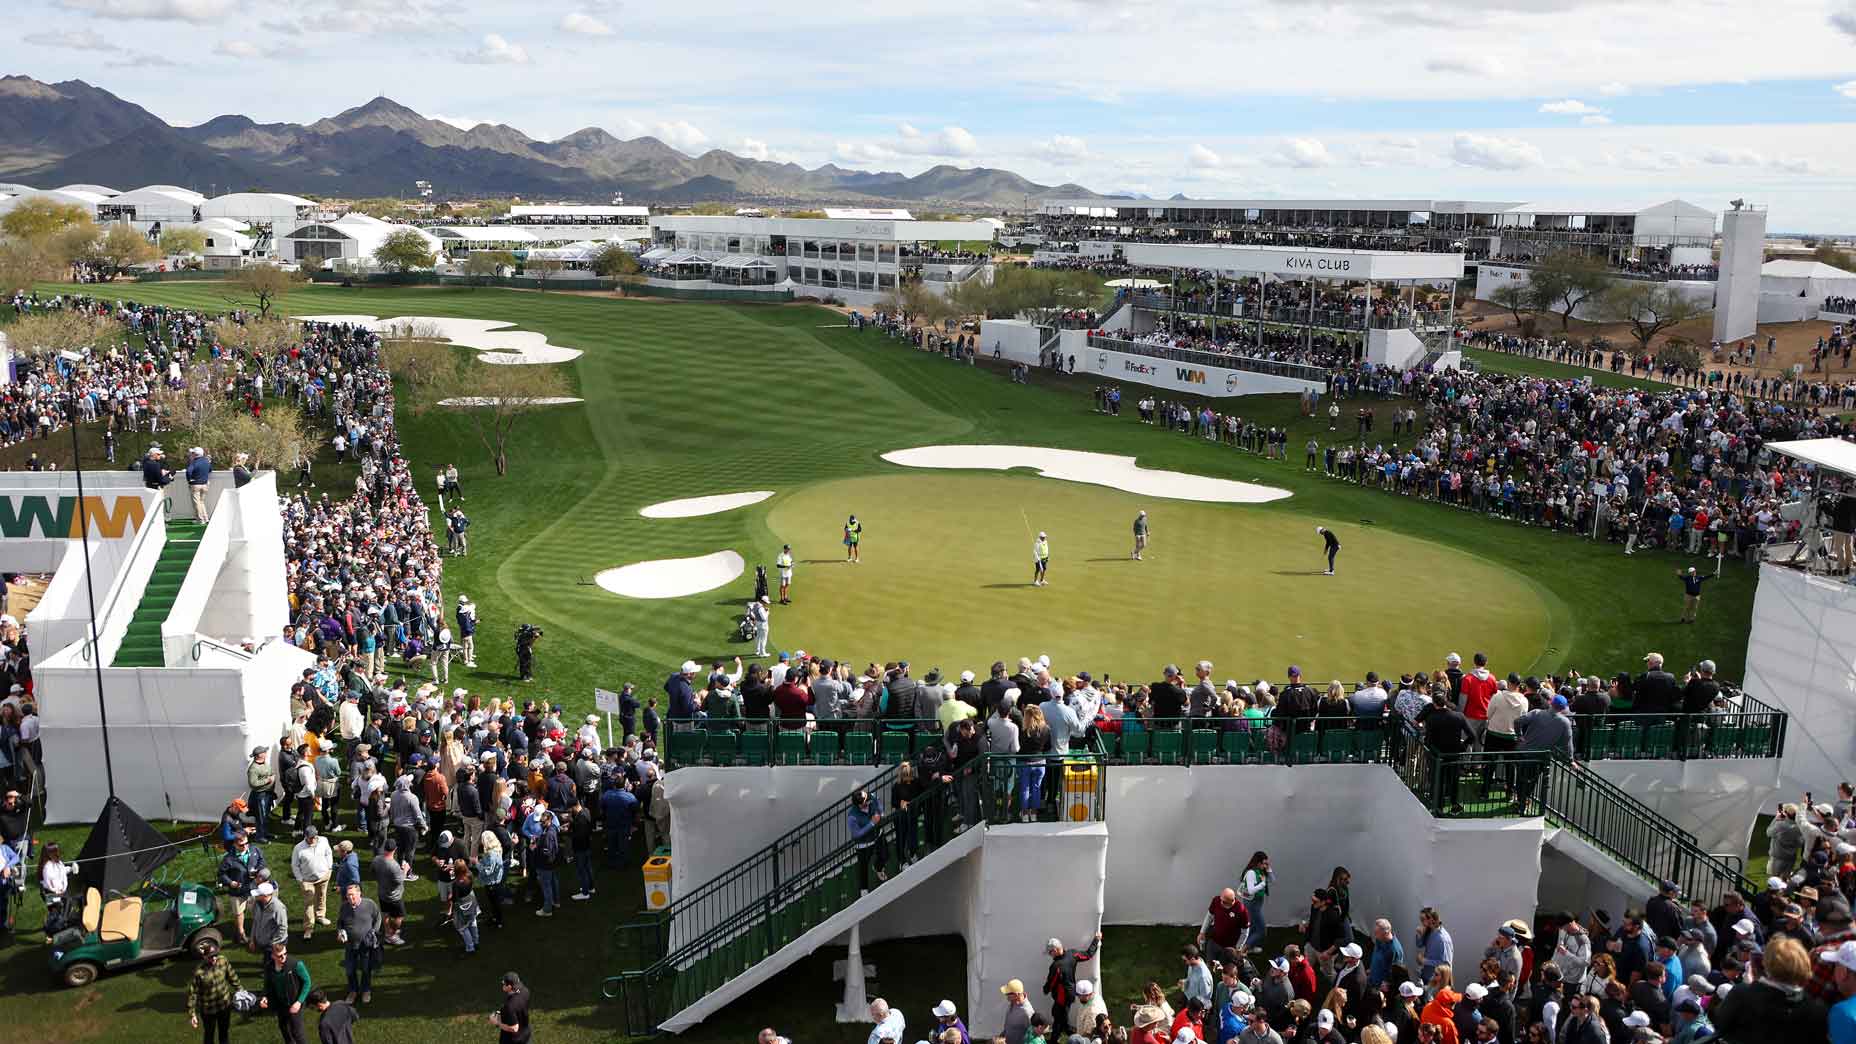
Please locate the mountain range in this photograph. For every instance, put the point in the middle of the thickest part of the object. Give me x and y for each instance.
(71, 132)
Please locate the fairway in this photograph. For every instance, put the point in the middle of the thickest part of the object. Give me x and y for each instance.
(946, 571)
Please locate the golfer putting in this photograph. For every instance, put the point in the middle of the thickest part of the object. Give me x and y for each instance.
(1040, 557)
(1140, 535)
(1331, 544)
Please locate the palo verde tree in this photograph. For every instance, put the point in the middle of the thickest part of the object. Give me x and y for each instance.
(494, 397)
(264, 284)
(1648, 308)
(404, 251)
(122, 248)
(1566, 279)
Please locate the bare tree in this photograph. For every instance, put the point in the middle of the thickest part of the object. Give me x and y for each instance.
(417, 354)
(494, 397)
(1520, 301)
(60, 331)
(264, 284)
(1566, 279)
(1649, 308)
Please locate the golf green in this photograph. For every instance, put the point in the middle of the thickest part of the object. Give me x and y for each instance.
(946, 573)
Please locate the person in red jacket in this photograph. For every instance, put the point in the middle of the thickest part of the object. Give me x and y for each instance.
(1441, 1011)
(1479, 687)
(1301, 973)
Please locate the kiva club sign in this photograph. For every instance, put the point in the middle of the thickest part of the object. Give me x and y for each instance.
(37, 516)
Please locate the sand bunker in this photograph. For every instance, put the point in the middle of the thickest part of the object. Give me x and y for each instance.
(1100, 469)
(488, 400)
(672, 577)
(491, 338)
(690, 507)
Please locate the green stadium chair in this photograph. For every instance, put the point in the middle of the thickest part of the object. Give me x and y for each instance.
(789, 746)
(1337, 745)
(1601, 743)
(1659, 741)
(686, 746)
(1724, 741)
(1756, 740)
(1167, 744)
(1135, 745)
(1303, 747)
(722, 748)
(1234, 747)
(825, 747)
(754, 746)
(894, 746)
(1204, 749)
(1260, 751)
(1629, 739)
(859, 747)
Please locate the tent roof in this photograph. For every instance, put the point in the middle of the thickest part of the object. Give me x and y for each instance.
(122, 850)
(1804, 270)
(686, 257)
(742, 261)
(656, 254)
(1834, 454)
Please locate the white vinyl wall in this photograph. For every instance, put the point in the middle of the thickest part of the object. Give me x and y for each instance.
(1801, 658)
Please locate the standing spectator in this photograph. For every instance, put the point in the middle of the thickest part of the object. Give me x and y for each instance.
(544, 857)
(1060, 980)
(1225, 928)
(464, 908)
(1253, 888)
(580, 833)
(239, 873)
(390, 879)
(270, 920)
(362, 932)
(1842, 964)
(865, 818)
(467, 633)
(199, 472)
(1388, 953)
(1774, 1009)
(338, 1018)
(210, 993)
(286, 990)
(312, 863)
(1434, 945)
(1691, 593)
(261, 778)
(511, 1020)
(1018, 1012)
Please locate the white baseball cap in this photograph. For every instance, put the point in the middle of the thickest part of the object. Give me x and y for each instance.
(1351, 950)
(689, 667)
(946, 1009)
(1410, 989)
(1844, 955)
(264, 888)
(1475, 991)
(1637, 1019)
(1085, 988)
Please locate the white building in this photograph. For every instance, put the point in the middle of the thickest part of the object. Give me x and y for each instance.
(349, 241)
(152, 205)
(275, 211)
(74, 195)
(1792, 291)
(854, 259)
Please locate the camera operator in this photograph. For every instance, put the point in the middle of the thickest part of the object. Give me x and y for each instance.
(526, 637)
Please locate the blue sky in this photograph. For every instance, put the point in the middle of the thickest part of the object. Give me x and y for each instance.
(1608, 102)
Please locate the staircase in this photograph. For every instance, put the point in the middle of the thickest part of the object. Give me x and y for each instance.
(141, 645)
(803, 890)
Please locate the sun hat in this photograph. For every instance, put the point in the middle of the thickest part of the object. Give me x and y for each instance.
(1013, 986)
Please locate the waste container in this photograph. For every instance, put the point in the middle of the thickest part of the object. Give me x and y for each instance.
(1080, 777)
(657, 882)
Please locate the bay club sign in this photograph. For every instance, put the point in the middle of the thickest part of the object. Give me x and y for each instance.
(1293, 263)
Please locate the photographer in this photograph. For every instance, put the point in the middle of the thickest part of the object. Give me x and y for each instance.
(526, 637)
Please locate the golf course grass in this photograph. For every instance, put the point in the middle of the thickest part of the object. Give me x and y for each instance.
(689, 400)
(946, 569)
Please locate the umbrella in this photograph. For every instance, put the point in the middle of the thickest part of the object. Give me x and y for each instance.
(122, 851)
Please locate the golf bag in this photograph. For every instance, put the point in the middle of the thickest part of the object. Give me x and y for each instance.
(760, 582)
(744, 632)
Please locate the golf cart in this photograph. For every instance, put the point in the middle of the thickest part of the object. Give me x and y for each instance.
(131, 915)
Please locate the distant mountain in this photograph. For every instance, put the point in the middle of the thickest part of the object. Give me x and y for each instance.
(54, 134)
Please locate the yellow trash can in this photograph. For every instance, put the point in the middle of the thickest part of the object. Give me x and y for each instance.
(1079, 790)
(657, 883)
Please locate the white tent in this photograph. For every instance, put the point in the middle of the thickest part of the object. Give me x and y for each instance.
(1811, 280)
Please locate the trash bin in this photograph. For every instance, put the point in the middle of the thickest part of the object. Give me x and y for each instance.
(657, 882)
(1079, 790)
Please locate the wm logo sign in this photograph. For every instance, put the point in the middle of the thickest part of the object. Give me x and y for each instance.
(33, 516)
(1190, 376)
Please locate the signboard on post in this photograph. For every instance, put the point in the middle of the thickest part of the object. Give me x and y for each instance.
(608, 703)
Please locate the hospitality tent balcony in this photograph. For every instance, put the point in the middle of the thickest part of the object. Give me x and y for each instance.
(744, 270)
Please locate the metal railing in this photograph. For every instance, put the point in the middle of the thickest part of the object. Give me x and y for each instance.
(824, 878)
(1249, 741)
(725, 741)
(1298, 371)
(1482, 784)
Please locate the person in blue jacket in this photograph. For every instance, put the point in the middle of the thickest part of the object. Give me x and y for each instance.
(865, 817)
(619, 806)
(199, 472)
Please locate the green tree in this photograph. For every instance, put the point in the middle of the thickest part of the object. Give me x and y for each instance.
(1520, 301)
(1648, 308)
(39, 219)
(182, 240)
(615, 262)
(1831, 255)
(494, 397)
(480, 265)
(404, 251)
(543, 267)
(263, 283)
(122, 248)
(1566, 279)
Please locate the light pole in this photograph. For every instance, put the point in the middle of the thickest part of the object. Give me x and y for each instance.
(75, 359)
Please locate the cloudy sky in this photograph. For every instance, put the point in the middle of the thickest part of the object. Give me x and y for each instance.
(1612, 102)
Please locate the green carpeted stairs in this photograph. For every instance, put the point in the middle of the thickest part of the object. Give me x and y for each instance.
(141, 646)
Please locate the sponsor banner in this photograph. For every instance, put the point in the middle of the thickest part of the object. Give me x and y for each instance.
(1211, 381)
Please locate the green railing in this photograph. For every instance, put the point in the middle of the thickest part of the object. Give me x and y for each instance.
(800, 881)
(1245, 741)
(838, 741)
(1484, 784)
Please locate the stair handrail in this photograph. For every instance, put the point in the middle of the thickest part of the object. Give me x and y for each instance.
(938, 795)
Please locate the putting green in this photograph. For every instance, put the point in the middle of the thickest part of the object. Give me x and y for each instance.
(946, 581)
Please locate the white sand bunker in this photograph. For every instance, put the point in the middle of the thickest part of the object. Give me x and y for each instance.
(490, 400)
(690, 507)
(491, 338)
(1100, 469)
(672, 577)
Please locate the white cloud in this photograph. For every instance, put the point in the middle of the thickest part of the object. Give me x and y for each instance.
(494, 50)
(73, 40)
(1732, 158)
(1568, 107)
(1385, 152)
(1062, 148)
(1597, 120)
(142, 61)
(1613, 89)
(1464, 65)
(1493, 153)
(236, 49)
(1848, 89)
(584, 24)
(754, 150)
(1797, 165)
(462, 123)
(1647, 159)
(1845, 19)
(948, 141)
(368, 17)
(153, 10)
(1202, 158)
(862, 152)
(680, 134)
(1304, 152)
